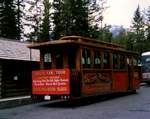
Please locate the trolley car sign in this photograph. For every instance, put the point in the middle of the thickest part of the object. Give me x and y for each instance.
(54, 81)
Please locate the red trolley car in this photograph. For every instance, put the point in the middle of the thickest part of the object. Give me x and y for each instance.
(75, 66)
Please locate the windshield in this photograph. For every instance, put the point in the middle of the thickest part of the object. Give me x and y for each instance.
(145, 59)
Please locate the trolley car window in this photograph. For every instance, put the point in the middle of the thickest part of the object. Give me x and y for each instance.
(106, 60)
(86, 58)
(135, 62)
(47, 57)
(115, 61)
(47, 60)
(59, 59)
(97, 59)
(129, 61)
(71, 59)
(122, 62)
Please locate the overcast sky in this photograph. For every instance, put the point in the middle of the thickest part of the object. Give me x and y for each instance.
(120, 12)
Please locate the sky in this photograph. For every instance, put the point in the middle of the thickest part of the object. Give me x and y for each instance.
(121, 12)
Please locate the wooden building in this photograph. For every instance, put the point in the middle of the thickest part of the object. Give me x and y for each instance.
(16, 63)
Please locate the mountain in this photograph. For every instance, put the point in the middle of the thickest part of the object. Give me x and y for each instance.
(115, 30)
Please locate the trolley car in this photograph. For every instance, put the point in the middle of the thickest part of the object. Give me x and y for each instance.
(75, 66)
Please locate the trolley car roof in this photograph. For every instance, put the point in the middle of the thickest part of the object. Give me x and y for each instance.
(78, 40)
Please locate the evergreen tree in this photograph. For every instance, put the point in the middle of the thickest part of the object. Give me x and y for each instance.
(95, 14)
(45, 27)
(58, 19)
(19, 14)
(130, 41)
(8, 22)
(105, 33)
(147, 29)
(125, 39)
(79, 18)
(32, 19)
(70, 18)
(102, 34)
(138, 28)
(121, 39)
(95, 11)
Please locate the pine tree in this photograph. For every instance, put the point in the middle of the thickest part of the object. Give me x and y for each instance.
(19, 14)
(79, 23)
(138, 28)
(125, 39)
(147, 29)
(95, 12)
(58, 19)
(70, 18)
(76, 17)
(32, 19)
(8, 22)
(45, 27)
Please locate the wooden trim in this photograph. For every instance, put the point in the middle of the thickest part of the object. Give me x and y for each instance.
(102, 59)
(111, 60)
(78, 58)
(65, 59)
(53, 59)
(92, 58)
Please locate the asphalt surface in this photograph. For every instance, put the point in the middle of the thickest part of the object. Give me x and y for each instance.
(132, 106)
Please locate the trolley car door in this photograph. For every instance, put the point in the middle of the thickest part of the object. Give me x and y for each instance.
(130, 72)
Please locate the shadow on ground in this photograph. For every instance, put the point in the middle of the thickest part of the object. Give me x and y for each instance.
(84, 101)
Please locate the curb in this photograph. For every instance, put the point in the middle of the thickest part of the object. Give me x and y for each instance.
(17, 101)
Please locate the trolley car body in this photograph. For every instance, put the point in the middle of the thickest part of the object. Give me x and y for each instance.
(75, 66)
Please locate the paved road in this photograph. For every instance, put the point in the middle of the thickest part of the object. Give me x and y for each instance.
(135, 106)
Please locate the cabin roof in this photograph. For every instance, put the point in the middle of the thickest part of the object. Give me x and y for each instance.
(15, 50)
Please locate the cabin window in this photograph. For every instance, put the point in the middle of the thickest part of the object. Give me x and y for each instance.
(47, 60)
(97, 59)
(115, 61)
(86, 58)
(106, 60)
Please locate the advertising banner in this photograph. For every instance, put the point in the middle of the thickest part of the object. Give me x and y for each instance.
(51, 82)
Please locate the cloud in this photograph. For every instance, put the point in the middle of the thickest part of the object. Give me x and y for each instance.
(120, 12)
